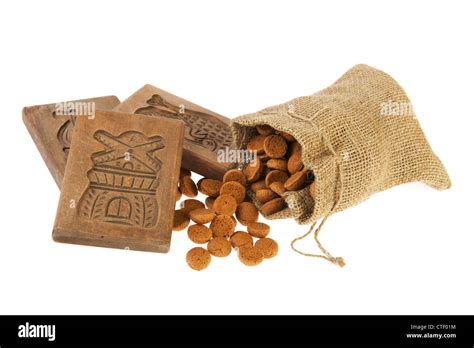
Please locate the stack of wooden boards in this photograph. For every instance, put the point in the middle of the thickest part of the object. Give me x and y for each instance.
(118, 164)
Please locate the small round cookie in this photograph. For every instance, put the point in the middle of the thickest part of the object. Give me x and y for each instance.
(273, 206)
(184, 172)
(264, 129)
(287, 136)
(278, 188)
(199, 234)
(235, 175)
(250, 256)
(268, 247)
(225, 205)
(180, 220)
(265, 195)
(275, 146)
(178, 195)
(210, 202)
(199, 182)
(276, 175)
(234, 189)
(246, 213)
(219, 246)
(296, 181)
(240, 238)
(187, 186)
(258, 229)
(295, 148)
(277, 163)
(202, 216)
(198, 258)
(256, 144)
(253, 171)
(210, 187)
(222, 226)
(258, 185)
(295, 163)
(191, 204)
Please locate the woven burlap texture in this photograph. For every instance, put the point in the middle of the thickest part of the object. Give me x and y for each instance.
(358, 136)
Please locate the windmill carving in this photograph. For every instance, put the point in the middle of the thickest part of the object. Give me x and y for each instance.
(123, 180)
(64, 133)
(201, 129)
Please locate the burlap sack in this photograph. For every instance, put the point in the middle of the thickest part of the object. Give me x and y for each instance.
(359, 136)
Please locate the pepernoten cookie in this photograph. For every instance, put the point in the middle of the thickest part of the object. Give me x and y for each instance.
(222, 226)
(264, 129)
(225, 205)
(288, 137)
(295, 148)
(258, 229)
(295, 163)
(234, 189)
(202, 216)
(250, 255)
(187, 186)
(277, 163)
(219, 246)
(265, 195)
(240, 238)
(246, 213)
(276, 175)
(210, 187)
(199, 234)
(256, 144)
(296, 181)
(258, 185)
(268, 247)
(254, 170)
(235, 175)
(210, 202)
(278, 188)
(191, 204)
(184, 172)
(198, 258)
(275, 146)
(178, 194)
(180, 220)
(273, 206)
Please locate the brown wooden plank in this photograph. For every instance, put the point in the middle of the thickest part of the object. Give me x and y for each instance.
(120, 182)
(206, 131)
(52, 132)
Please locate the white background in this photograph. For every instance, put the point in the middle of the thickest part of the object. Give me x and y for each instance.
(408, 250)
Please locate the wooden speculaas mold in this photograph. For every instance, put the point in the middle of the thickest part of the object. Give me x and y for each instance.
(206, 132)
(51, 126)
(120, 182)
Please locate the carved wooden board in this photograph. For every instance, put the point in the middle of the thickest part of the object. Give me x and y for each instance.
(51, 126)
(206, 132)
(120, 182)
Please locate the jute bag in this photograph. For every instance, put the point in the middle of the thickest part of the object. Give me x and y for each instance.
(359, 136)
